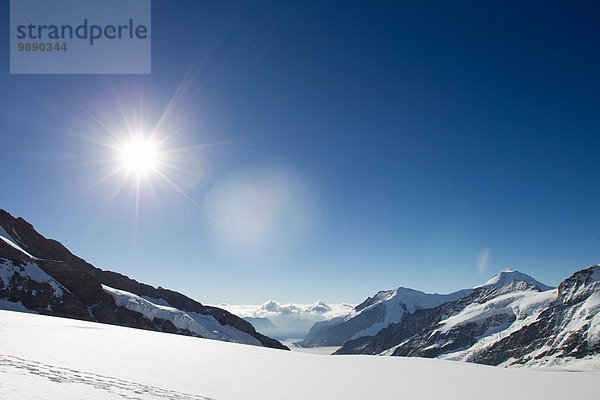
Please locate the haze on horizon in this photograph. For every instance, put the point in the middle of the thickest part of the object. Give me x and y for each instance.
(320, 151)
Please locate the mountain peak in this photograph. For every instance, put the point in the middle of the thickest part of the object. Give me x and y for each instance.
(508, 275)
(508, 271)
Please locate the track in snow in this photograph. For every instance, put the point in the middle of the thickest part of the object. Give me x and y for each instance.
(113, 386)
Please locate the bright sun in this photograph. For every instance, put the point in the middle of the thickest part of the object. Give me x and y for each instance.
(139, 156)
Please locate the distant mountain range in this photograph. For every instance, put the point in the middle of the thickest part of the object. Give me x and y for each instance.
(512, 319)
(40, 275)
(287, 321)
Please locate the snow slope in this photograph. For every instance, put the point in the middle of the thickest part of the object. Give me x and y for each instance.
(524, 306)
(203, 325)
(29, 271)
(47, 357)
(507, 275)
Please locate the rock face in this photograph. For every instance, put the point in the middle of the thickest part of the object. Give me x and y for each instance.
(48, 279)
(505, 322)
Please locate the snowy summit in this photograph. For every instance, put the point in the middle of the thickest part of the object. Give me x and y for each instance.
(508, 275)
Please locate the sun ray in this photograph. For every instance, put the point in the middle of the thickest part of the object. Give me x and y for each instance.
(180, 190)
(137, 207)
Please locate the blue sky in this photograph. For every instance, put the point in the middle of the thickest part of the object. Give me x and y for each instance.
(326, 150)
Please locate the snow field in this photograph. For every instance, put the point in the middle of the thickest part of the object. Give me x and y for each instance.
(47, 357)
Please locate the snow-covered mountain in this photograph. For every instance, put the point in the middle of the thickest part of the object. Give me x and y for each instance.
(452, 325)
(391, 306)
(40, 275)
(503, 322)
(374, 314)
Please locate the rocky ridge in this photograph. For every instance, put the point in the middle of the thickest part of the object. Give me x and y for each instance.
(45, 277)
